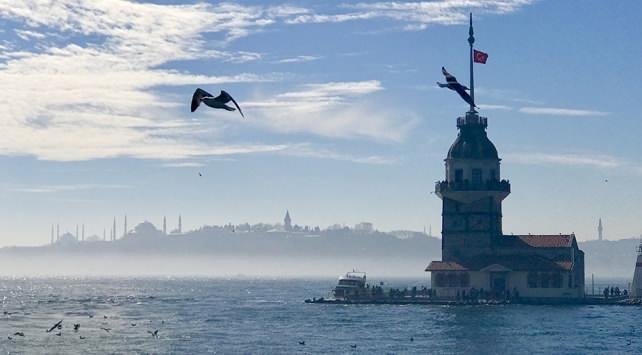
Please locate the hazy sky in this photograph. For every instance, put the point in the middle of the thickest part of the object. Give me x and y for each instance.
(344, 122)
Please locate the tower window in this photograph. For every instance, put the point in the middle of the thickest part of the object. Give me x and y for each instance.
(477, 176)
(459, 175)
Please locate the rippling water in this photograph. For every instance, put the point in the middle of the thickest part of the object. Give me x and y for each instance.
(196, 316)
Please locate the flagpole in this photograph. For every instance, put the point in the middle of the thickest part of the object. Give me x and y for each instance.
(471, 40)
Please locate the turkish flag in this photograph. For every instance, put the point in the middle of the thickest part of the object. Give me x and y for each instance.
(479, 56)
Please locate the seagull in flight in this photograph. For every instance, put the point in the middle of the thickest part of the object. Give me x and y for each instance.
(220, 101)
(154, 333)
(57, 325)
(452, 84)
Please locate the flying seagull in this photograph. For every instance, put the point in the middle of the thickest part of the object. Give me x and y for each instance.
(57, 325)
(452, 84)
(220, 101)
(154, 333)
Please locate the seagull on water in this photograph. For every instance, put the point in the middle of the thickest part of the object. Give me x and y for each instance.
(452, 84)
(154, 333)
(302, 342)
(219, 101)
(57, 325)
(76, 327)
(20, 334)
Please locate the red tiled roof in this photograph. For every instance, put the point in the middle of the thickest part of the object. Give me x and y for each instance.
(548, 241)
(445, 266)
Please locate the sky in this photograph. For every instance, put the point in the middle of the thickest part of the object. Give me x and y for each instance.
(343, 120)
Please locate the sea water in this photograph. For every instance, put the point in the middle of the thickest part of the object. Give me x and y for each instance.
(259, 316)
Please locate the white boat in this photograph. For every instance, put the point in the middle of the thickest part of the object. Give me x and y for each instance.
(351, 285)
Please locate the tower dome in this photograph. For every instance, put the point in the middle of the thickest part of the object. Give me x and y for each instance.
(472, 143)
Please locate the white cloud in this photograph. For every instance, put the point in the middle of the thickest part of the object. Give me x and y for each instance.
(495, 107)
(298, 59)
(98, 99)
(335, 109)
(309, 151)
(415, 15)
(590, 160)
(556, 111)
(62, 188)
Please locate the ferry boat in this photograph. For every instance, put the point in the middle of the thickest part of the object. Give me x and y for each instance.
(350, 286)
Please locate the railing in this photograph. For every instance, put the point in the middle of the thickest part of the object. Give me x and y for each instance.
(490, 185)
(472, 120)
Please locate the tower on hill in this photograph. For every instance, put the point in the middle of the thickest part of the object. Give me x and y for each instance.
(287, 221)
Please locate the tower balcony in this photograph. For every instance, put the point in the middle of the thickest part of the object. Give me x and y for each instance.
(472, 119)
(466, 192)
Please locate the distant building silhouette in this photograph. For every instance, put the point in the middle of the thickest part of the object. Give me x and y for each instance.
(164, 225)
(83, 232)
(180, 224)
(113, 234)
(600, 229)
(52, 234)
(125, 227)
(364, 227)
(77, 235)
(57, 232)
(105, 234)
(287, 221)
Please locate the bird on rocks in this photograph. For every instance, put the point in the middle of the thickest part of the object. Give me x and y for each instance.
(219, 101)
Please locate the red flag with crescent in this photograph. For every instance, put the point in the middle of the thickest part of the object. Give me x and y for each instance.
(479, 56)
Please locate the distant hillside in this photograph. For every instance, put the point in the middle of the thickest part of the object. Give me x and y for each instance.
(320, 251)
(610, 258)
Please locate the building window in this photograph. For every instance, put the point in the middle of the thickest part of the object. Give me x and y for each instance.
(532, 279)
(440, 279)
(477, 177)
(545, 279)
(556, 280)
(453, 281)
(464, 279)
(459, 175)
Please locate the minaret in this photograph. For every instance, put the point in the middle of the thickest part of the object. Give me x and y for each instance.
(287, 221)
(599, 230)
(164, 225)
(58, 232)
(472, 191)
(114, 230)
(125, 231)
(83, 232)
(636, 286)
(180, 224)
